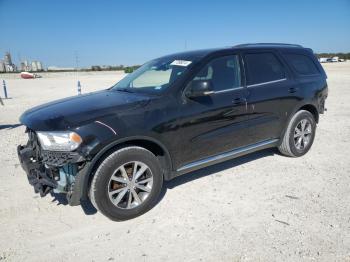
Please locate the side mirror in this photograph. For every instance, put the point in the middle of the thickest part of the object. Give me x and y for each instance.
(198, 88)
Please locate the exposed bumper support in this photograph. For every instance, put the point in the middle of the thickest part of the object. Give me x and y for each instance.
(41, 178)
(52, 171)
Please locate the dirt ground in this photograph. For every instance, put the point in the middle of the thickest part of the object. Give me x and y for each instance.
(261, 207)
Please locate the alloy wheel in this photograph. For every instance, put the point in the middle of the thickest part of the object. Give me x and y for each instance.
(130, 185)
(302, 134)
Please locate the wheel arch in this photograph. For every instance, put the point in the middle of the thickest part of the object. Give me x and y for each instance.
(308, 107)
(84, 178)
(312, 109)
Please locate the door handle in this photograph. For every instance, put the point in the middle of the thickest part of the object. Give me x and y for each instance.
(293, 90)
(239, 100)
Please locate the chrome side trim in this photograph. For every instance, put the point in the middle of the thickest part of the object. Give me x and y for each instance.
(228, 90)
(227, 155)
(266, 83)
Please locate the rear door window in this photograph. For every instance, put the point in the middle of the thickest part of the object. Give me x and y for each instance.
(302, 64)
(262, 68)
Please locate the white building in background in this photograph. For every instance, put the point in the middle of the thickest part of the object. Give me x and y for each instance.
(39, 65)
(22, 67)
(26, 66)
(7, 59)
(34, 67)
(56, 68)
(10, 68)
(2, 67)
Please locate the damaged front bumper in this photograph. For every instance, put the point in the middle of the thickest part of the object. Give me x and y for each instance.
(40, 177)
(50, 172)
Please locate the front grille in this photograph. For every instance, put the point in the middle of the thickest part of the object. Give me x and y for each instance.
(58, 158)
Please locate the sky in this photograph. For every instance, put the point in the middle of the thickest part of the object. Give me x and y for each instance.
(106, 32)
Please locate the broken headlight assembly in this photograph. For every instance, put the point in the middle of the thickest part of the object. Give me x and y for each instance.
(59, 141)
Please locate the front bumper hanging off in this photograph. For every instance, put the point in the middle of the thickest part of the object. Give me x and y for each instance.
(49, 171)
(40, 177)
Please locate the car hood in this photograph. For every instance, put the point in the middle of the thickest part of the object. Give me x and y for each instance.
(76, 111)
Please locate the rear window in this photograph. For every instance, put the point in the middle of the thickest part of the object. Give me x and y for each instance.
(262, 68)
(302, 64)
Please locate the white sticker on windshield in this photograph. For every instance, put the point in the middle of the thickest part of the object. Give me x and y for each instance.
(158, 87)
(181, 63)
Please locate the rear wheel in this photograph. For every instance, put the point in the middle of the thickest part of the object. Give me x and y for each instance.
(127, 183)
(299, 135)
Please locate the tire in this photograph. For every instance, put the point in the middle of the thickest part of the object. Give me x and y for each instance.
(111, 176)
(289, 145)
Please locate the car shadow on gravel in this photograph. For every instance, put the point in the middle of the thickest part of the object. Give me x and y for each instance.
(86, 205)
(215, 169)
(9, 126)
(89, 209)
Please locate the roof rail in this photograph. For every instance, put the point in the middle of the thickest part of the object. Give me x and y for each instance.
(267, 44)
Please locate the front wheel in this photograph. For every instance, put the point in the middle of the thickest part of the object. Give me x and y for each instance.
(299, 135)
(127, 183)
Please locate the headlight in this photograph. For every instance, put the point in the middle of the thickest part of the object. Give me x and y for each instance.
(59, 141)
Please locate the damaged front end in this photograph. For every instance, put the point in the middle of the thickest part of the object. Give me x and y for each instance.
(49, 171)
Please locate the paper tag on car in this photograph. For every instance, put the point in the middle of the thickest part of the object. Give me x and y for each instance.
(181, 63)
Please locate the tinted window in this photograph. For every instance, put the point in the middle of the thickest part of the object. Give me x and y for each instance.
(302, 64)
(224, 73)
(263, 67)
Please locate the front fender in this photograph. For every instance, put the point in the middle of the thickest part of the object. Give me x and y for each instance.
(83, 178)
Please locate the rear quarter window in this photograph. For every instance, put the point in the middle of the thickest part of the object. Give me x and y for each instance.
(302, 64)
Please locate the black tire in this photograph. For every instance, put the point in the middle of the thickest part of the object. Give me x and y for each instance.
(100, 183)
(287, 146)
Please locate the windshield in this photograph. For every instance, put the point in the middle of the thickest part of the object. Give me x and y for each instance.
(154, 76)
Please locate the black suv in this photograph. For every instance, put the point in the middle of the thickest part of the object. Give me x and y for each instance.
(173, 115)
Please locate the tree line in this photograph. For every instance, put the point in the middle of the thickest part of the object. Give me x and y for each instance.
(127, 69)
(340, 55)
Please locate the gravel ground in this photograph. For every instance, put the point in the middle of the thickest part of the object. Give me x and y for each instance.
(261, 207)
